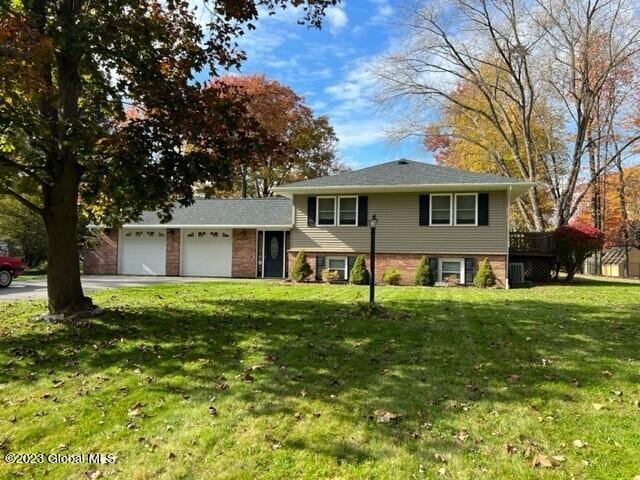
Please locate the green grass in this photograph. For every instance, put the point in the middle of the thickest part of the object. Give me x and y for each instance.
(485, 381)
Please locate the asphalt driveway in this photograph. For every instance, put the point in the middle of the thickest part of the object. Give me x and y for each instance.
(37, 289)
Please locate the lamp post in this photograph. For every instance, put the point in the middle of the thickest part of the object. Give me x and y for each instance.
(373, 221)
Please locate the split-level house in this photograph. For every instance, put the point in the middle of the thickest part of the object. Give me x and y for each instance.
(453, 217)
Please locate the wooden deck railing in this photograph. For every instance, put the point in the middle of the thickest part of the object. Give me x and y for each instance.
(532, 242)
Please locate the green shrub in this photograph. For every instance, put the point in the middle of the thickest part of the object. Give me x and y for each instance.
(424, 275)
(484, 276)
(359, 274)
(392, 276)
(330, 276)
(301, 269)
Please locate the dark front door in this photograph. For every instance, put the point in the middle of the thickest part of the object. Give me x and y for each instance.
(273, 254)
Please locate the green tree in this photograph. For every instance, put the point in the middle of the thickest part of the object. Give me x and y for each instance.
(484, 277)
(99, 102)
(23, 231)
(359, 274)
(424, 275)
(301, 269)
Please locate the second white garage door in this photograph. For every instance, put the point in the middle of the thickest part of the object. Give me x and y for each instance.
(206, 253)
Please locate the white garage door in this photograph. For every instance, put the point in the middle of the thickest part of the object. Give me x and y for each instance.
(206, 253)
(142, 252)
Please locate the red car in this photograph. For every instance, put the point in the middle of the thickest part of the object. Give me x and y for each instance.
(10, 267)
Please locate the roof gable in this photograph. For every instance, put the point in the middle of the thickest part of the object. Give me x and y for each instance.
(402, 173)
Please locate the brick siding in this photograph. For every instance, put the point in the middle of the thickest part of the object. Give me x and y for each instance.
(407, 263)
(172, 257)
(103, 259)
(243, 261)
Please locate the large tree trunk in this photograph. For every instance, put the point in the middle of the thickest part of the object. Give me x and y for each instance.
(63, 263)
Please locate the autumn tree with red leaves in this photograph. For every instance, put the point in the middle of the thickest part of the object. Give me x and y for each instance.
(68, 71)
(574, 243)
(293, 144)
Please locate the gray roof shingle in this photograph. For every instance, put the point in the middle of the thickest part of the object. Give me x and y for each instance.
(400, 173)
(230, 212)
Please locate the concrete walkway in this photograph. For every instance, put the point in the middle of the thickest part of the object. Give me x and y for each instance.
(37, 289)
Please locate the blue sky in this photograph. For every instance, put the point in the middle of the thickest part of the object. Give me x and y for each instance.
(330, 68)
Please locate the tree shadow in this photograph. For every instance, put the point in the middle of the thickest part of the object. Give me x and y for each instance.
(427, 359)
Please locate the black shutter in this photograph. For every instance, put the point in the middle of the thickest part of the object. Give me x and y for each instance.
(483, 209)
(424, 209)
(363, 211)
(469, 272)
(433, 266)
(319, 267)
(350, 261)
(311, 211)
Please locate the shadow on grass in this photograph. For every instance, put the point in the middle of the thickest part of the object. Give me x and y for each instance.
(427, 359)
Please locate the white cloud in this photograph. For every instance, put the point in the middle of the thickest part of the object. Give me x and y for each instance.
(359, 132)
(383, 12)
(336, 18)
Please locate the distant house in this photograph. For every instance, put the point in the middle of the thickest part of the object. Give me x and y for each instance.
(613, 262)
(455, 218)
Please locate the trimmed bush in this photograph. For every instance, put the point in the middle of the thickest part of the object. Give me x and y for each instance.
(359, 274)
(330, 276)
(424, 275)
(301, 269)
(392, 276)
(484, 276)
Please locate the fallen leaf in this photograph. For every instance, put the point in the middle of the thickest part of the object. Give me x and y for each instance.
(384, 416)
(542, 461)
(579, 444)
(93, 474)
(511, 449)
(440, 458)
(617, 393)
(599, 406)
(213, 411)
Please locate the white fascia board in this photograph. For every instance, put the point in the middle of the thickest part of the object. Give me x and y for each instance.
(517, 188)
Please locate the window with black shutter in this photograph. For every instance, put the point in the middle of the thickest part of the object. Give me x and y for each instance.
(433, 266)
(424, 210)
(469, 270)
(319, 266)
(311, 211)
(483, 209)
(363, 211)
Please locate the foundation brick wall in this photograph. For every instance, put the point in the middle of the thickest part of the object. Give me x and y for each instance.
(243, 260)
(172, 257)
(407, 263)
(103, 259)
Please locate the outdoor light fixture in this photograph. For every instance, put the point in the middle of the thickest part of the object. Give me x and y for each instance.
(373, 222)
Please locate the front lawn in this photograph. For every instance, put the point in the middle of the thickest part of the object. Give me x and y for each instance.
(258, 380)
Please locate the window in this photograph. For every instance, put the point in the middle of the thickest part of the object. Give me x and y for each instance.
(338, 264)
(441, 209)
(466, 211)
(348, 211)
(451, 270)
(326, 211)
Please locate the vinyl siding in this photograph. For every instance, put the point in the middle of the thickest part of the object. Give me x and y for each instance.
(398, 230)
